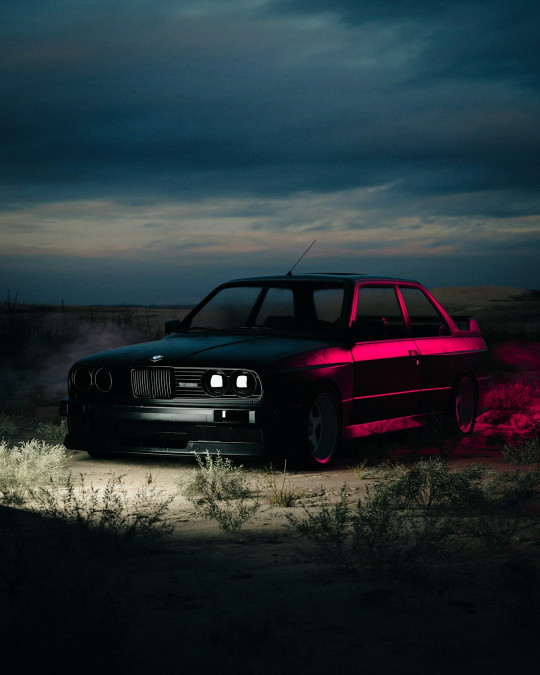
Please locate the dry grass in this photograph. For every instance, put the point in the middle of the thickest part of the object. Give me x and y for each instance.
(27, 467)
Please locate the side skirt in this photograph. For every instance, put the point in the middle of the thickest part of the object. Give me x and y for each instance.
(384, 426)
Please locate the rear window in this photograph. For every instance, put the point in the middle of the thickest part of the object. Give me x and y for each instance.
(426, 321)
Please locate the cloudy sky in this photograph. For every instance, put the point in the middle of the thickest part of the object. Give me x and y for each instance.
(151, 149)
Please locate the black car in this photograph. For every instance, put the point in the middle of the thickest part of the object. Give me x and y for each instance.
(282, 364)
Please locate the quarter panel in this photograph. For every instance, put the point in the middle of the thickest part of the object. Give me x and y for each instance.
(442, 360)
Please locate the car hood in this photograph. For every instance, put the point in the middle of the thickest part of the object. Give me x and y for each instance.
(206, 350)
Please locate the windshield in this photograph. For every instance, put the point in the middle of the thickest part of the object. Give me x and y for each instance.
(298, 307)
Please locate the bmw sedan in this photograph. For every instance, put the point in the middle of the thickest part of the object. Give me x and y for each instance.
(284, 365)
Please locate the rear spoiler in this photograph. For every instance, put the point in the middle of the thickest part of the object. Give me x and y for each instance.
(467, 325)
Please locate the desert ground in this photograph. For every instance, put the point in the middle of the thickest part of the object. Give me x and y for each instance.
(260, 600)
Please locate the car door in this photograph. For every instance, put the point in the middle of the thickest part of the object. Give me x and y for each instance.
(436, 347)
(386, 365)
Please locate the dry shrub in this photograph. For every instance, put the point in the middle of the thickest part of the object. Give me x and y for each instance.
(50, 431)
(512, 396)
(283, 493)
(526, 451)
(27, 467)
(412, 518)
(220, 491)
(8, 425)
(109, 511)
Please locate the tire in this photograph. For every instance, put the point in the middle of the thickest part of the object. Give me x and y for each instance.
(322, 431)
(463, 406)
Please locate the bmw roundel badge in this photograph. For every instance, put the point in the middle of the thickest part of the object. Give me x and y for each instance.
(157, 357)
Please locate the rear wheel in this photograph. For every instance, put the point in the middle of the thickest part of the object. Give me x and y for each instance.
(463, 406)
(322, 435)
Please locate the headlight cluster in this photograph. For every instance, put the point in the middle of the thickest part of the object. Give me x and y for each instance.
(169, 383)
(243, 383)
(85, 379)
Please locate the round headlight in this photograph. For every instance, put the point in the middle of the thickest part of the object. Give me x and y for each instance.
(103, 380)
(243, 383)
(215, 382)
(82, 379)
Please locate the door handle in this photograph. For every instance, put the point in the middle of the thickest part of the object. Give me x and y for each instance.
(415, 354)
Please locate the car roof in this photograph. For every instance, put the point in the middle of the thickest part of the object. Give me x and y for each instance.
(321, 276)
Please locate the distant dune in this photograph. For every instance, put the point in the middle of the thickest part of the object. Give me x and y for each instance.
(461, 297)
(504, 312)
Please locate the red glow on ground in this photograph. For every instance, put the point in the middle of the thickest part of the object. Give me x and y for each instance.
(522, 356)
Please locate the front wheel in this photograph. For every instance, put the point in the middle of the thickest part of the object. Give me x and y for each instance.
(463, 406)
(322, 435)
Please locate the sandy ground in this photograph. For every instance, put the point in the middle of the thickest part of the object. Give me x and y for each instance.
(259, 600)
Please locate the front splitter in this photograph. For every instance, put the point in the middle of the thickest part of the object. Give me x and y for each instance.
(111, 446)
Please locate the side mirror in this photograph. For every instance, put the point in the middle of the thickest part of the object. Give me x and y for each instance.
(172, 326)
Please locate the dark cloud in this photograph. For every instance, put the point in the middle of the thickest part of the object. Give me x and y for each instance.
(112, 96)
(462, 39)
(433, 105)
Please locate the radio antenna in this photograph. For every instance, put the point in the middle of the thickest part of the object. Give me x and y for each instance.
(289, 273)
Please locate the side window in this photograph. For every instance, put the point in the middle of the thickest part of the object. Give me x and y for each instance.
(424, 317)
(378, 314)
(277, 309)
(328, 303)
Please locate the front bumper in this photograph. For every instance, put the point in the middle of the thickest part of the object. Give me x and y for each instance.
(165, 430)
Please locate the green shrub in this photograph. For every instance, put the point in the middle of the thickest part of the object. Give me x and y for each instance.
(220, 491)
(27, 467)
(523, 452)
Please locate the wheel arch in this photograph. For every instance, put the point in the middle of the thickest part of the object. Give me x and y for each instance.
(324, 384)
(312, 394)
